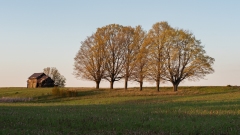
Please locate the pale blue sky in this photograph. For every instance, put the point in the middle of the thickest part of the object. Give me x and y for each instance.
(35, 34)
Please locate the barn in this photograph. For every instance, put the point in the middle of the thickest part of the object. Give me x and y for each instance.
(37, 80)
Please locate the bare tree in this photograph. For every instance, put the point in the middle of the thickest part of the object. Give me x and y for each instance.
(185, 58)
(90, 60)
(55, 75)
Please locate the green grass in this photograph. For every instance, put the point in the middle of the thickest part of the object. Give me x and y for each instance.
(191, 110)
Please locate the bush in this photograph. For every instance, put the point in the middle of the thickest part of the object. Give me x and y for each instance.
(229, 85)
(64, 92)
(56, 91)
(72, 93)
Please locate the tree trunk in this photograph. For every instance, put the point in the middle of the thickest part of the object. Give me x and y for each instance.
(158, 83)
(141, 84)
(97, 84)
(126, 83)
(175, 86)
(126, 77)
(111, 84)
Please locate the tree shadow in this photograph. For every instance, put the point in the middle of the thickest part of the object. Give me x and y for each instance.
(51, 98)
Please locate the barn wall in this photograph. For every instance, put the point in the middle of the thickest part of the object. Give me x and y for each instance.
(32, 83)
(29, 83)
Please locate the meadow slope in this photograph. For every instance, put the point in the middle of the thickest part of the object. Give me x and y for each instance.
(191, 110)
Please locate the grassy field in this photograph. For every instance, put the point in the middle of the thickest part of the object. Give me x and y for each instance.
(191, 110)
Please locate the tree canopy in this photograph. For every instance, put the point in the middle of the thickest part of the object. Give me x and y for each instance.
(163, 54)
(90, 60)
(55, 75)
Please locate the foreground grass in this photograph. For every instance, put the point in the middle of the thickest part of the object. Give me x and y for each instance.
(191, 110)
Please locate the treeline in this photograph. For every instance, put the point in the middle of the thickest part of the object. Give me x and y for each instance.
(116, 52)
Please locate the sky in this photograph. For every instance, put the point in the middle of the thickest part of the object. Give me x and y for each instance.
(35, 34)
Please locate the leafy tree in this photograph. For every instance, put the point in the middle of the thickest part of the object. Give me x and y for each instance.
(163, 54)
(55, 75)
(185, 58)
(156, 39)
(112, 38)
(90, 60)
(129, 52)
(140, 62)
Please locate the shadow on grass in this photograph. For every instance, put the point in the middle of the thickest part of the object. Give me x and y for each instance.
(170, 102)
(50, 98)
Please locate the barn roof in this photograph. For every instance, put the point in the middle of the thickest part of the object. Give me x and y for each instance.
(36, 75)
(43, 78)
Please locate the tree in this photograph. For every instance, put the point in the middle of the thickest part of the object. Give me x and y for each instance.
(55, 75)
(90, 61)
(112, 38)
(185, 58)
(129, 51)
(156, 39)
(140, 62)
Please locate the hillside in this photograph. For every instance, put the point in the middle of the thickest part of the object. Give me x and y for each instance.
(191, 110)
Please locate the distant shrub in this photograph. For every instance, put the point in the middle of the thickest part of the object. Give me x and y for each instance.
(64, 92)
(72, 93)
(229, 85)
(56, 91)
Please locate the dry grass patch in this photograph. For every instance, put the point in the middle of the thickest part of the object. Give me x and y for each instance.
(14, 99)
